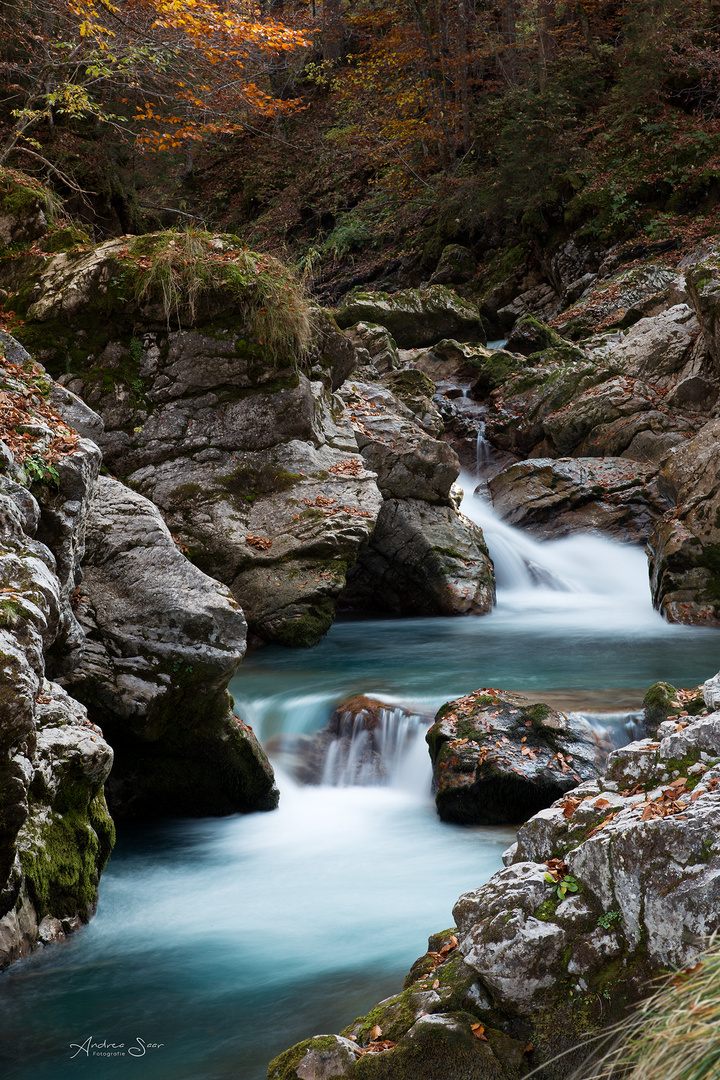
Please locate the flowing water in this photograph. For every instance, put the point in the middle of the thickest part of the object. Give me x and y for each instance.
(228, 940)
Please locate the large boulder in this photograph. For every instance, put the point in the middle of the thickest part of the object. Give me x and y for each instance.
(23, 203)
(456, 265)
(685, 547)
(162, 641)
(422, 559)
(414, 317)
(555, 497)
(209, 412)
(497, 758)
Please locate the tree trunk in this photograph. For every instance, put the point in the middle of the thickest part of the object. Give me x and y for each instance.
(546, 36)
(332, 31)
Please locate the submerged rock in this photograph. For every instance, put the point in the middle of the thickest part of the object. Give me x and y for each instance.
(555, 497)
(497, 759)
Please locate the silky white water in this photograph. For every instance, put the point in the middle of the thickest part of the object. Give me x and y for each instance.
(228, 940)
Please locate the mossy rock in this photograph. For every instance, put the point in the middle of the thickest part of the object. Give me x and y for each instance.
(529, 335)
(415, 317)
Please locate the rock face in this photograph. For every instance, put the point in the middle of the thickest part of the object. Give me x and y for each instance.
(613, 885)
(249, 460)
(497, 759)
(556, 497)
(414, 317)
(162, 640)
(97, 596)
(424, 557)
(55, 832)
(685, 548)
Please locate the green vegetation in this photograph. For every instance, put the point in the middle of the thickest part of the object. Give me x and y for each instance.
(675, 1034)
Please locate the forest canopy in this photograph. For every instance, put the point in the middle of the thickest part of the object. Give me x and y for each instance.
(515, 115)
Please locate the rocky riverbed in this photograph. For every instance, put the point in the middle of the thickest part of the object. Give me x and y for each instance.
(185, 469)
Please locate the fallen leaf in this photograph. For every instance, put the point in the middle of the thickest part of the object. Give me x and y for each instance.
(478, 1031)
(376, 1032)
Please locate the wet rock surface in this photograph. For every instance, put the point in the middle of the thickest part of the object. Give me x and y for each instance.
(497, 758)
(414, 317)
(611, 886)
(553, 497)
(162, 640)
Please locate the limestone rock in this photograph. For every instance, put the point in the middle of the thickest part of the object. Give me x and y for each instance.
(456, 265)
(415, 317)
(620, 300)
(556, 497)
(416, 391)
(497, 758)
(683, 548)
(377, 342)
(529, 335)
(333, 355)
(703, 283)
(422, 559)
(408, 463)
(163, 640)
(22, 212)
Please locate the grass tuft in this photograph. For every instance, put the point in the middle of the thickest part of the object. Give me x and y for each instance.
(184, 269)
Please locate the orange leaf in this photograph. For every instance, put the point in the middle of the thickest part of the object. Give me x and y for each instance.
(478, 1031)
(376, 1032)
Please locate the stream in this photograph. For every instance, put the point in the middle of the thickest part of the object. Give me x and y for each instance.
(227, 940)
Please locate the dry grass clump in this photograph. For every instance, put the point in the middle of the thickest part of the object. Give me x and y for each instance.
(184, 269)
(673, 1035)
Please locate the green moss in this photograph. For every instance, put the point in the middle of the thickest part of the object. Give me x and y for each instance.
(657, 704)
(64, 239)
(284, 1066)
(308, 628)
(546, 911)
(66, 855)
(246, 482)
(537, 714)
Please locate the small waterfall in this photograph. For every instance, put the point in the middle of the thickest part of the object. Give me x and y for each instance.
(584, 564)
(484, 455)
(391, 752)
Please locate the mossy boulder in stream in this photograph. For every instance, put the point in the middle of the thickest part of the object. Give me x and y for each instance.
(497, 758)
(196, 354)
(414, 317)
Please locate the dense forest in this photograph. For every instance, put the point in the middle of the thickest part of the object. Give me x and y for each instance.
(358, 139)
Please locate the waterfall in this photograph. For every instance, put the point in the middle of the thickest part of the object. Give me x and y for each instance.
(587, 565)
(392, 751)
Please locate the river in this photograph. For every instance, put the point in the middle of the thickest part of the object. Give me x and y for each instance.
(226, 940)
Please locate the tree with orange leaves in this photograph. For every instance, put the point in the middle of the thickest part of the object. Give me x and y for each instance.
(167, 72)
